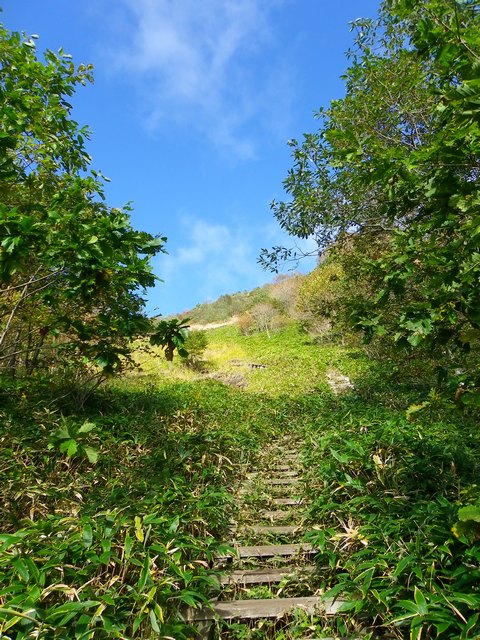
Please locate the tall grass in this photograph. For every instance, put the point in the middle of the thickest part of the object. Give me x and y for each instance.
(111, 515)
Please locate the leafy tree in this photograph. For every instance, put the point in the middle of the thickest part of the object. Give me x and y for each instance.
(391, 177)
(171, 335)
(72, 269)
(321, 298)
(195, 346)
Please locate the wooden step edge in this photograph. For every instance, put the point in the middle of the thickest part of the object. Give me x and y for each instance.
(285, 529)
(264, 576)
(286, 501)
(268, 551)
(266, 529)
(269, 608)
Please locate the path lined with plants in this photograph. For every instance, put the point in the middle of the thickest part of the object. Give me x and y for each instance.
(269, 574)
(383, 489)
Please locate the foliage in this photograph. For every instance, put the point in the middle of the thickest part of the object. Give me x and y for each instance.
(383, 500)
(114, 546)
(321, 297)
(468, 525)
(285, 291)
(117, 542)
(392, 175)
(71, 268)
(171, 335)
(245, 323)
(195, 346)
(111, 516)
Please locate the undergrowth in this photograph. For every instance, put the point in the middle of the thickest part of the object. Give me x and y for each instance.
(112, 514)
(384, 496)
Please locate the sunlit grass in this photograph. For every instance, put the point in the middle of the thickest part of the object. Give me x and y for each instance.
(288, 363)
(175, 443)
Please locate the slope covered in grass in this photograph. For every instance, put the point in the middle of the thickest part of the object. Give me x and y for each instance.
(112, 514)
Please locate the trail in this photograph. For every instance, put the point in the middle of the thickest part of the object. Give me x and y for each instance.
(213, 325)
(266, 552)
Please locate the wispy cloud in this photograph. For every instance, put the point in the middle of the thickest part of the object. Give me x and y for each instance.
(214, 258)
(207, 63)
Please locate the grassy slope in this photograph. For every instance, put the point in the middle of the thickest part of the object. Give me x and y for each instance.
(112, 548)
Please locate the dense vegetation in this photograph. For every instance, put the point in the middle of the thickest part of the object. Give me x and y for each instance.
(72, 269)
(112, 515)
(115, 499)
(388, 185)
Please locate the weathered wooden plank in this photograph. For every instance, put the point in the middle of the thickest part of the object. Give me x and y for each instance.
(285, 491)
(277, 515)
(271, 550)
(263, 576)
(281, 481)
(286, 501)
(274, 529)
(285, 472)
(270, 608)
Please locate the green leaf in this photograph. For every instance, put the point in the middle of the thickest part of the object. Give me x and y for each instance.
(69, 446)
(421, 602)
(87, 535)
(139, 529)
(341, 457)
(86, 427)
(128, 546)
(471, 512)
(21, 568)
(154, 621)
(91, 453)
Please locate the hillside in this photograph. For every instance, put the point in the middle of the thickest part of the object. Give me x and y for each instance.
(281, 294)
(381, 484)
(303, 463)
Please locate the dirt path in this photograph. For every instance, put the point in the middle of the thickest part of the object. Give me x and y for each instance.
(213, 325)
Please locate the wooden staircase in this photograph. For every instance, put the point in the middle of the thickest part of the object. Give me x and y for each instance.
(272, 561)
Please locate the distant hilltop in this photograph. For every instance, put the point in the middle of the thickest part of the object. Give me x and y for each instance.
(280, 295)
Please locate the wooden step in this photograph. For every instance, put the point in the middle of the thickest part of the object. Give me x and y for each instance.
(286, 501)
(263, 576)
(281, 530)
(276, 515)
(284, 490)
(270, 608)
(274, 529)
(285, 472)
(281, 481)
(272, 550)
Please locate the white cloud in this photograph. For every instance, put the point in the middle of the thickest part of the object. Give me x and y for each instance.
(215, 259)
(206, 63)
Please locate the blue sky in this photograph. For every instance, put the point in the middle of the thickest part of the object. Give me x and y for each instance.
(190, 112)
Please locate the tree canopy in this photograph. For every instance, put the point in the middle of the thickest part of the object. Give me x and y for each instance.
(389, 182)
(72, 269)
